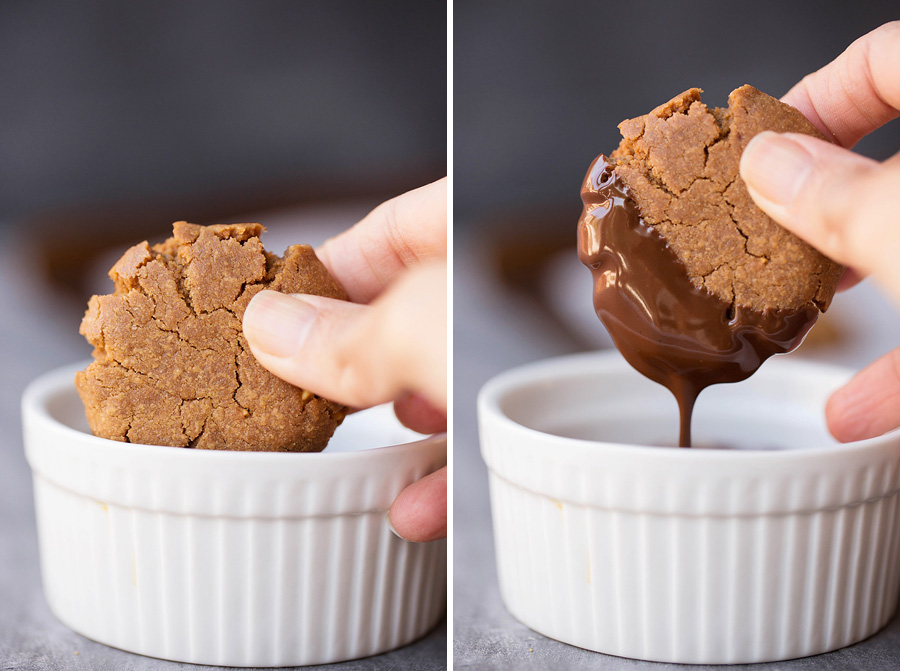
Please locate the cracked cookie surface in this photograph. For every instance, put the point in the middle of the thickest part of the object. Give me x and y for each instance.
(681, 162)
(171, 364)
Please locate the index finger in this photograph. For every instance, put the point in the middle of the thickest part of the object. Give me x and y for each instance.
(857, 92)
(401, 232)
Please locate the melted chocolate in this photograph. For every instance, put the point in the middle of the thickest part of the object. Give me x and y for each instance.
(675, 333)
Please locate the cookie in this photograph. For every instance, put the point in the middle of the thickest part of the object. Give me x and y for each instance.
(171, 364)
(681, 163)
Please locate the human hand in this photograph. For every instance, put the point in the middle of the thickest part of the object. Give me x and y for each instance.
(845, 205)
(389, 344)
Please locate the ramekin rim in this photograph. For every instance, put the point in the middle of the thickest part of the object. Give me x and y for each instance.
(52, 381)
(489, 397)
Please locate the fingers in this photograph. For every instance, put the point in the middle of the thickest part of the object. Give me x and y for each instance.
(869, 405)
(849, 279)
(416, 413)
(353, 354)
(857, 92)
(419, 513)
(845, 205)
(409, 229)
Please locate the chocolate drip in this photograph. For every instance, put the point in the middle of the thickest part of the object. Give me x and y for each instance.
(675, 333)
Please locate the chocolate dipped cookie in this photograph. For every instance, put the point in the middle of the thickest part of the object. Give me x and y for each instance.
(694, 282)
(171, 364)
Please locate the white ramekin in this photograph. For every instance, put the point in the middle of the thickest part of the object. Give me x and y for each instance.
(688, 555)
(231, 558)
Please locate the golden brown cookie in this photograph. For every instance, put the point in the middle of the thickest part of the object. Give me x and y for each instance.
(681, 163)
(171, 364)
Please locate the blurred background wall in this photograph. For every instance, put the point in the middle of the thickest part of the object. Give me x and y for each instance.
(118, 118)
(106, 100)
(540, 89)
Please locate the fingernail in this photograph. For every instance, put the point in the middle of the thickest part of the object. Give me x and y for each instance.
(387, 516)
(278, 324)
(775, 167)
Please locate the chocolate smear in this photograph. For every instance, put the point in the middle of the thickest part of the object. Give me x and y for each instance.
(677, 334)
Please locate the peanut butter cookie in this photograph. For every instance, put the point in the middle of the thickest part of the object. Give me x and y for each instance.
(171, 365)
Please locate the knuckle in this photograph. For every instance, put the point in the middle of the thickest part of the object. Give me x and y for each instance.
(349, 376)
(839, 202)
(397, 233)
(359, 358)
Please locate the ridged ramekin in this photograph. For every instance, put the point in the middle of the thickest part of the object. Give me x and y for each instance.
(231, 558)
(705, 556)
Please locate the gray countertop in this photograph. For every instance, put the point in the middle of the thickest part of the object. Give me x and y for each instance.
(39, 332)
(495, 330)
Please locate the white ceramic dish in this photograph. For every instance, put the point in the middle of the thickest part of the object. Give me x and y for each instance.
(231, 558)
(786, 548)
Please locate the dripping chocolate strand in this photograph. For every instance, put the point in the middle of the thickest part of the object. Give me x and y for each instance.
(673, 332)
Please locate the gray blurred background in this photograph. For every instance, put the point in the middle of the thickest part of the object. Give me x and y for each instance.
(154, 98)
(539, 89)
(119, 118)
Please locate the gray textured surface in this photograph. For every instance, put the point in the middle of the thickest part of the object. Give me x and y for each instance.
(494, 331)
(39, 333)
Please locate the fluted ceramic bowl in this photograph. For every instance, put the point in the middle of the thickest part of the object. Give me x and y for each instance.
(231, 558)
(784, 544)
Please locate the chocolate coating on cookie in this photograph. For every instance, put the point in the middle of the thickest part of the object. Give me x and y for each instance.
(674, 332)
(171, 364)
(694, 282)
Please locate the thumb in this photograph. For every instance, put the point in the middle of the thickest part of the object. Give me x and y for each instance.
(843, 204)
(354, 354)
